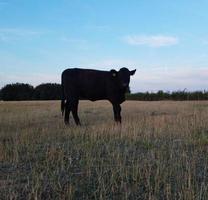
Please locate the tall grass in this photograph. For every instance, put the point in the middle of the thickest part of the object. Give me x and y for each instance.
(159, 152)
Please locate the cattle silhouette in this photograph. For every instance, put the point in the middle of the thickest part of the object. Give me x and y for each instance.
(93, 85)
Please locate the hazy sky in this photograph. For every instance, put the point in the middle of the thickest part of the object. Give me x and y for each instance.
(165, 40)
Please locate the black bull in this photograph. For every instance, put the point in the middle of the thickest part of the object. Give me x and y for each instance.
(93, 85)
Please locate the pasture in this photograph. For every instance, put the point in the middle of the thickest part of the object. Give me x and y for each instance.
(159, 152)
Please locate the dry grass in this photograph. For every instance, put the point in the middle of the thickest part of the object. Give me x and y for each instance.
(159, 152)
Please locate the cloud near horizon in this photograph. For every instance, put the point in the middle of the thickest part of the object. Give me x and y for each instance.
(144, 80)
(151, 40)
(167, 79)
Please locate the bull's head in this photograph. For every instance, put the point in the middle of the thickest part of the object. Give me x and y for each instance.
(122, 76)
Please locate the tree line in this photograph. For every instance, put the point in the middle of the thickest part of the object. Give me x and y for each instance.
(175, 95)
(22, 91)
(52, 91)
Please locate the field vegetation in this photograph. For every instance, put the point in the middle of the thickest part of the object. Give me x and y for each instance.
(159, 152)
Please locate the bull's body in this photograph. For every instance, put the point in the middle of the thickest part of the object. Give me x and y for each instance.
(91, 85)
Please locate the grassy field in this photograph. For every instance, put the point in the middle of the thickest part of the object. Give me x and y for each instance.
(159, 152)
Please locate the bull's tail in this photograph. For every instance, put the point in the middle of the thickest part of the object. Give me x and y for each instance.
(62, 99)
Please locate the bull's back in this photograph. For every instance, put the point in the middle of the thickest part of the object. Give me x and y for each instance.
(85, 83)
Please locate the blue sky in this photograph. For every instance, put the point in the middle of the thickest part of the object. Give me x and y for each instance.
(166, 41)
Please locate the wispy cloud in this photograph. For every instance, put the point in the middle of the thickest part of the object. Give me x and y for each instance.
(152, 41)
(19, 31)
(7, 34)
(79, 43)
(73, 40)
(204, 41)
(113, 63)
(97, 27)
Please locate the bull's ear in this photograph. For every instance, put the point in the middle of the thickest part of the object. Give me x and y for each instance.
(113, 72)
(132, 72)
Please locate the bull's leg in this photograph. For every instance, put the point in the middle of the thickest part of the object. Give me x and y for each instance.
(117, 112)
(74, 108)
(67, 112)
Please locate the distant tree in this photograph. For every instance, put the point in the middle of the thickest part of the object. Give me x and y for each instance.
(176, 96)
(17, 92)
(47, 91)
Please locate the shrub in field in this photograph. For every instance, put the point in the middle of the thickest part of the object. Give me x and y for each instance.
(22, 91)
(17, 91)
(47, 91)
